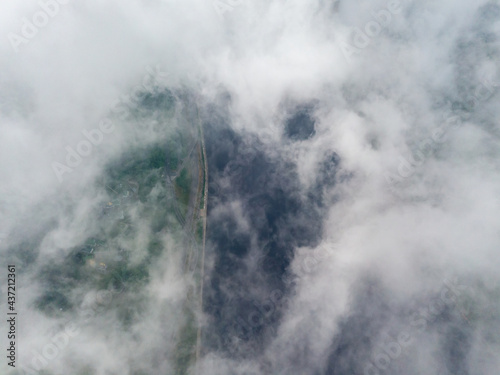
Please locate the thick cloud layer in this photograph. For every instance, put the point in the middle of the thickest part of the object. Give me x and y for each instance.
(353, 160)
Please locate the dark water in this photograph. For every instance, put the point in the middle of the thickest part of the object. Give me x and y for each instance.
(300, 126)
(245, 292)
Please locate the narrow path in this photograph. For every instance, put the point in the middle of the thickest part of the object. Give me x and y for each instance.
(203, 214)
(195, 256)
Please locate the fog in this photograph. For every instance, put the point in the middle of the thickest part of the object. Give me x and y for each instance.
(353, 162)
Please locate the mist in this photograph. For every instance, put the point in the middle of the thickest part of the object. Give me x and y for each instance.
(353, 183)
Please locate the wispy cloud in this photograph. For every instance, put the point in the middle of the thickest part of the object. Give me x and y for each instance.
(353, 153)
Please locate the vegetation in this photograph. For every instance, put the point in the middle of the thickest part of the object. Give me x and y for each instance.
(185, 352)
(138, 208)
(182, 187)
